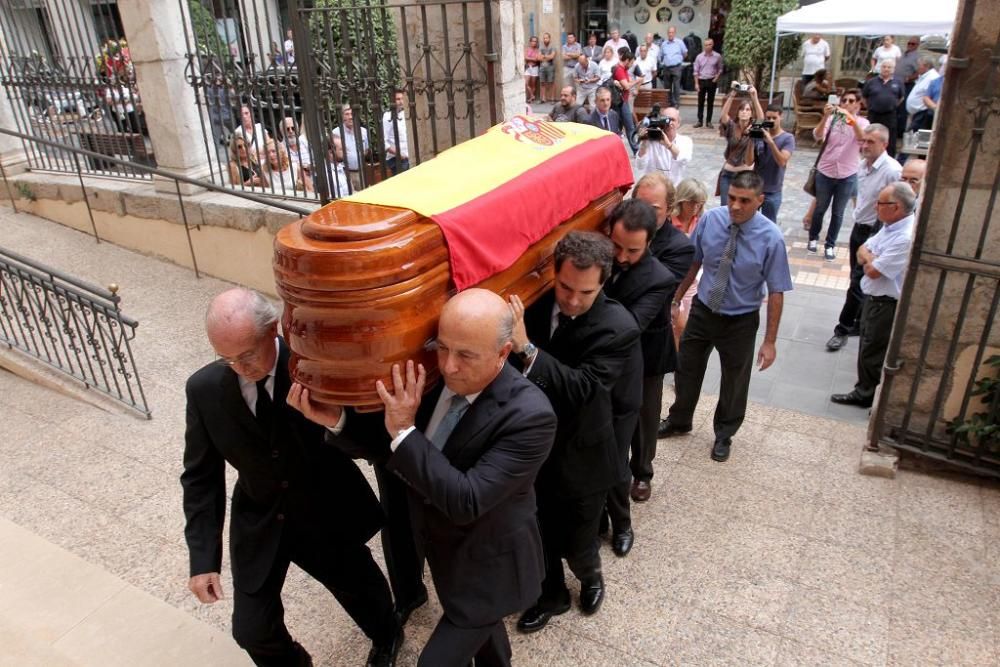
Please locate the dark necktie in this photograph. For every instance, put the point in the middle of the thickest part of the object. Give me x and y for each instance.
(459, 405)
(721, 284)
(604, 123)
(264, 406)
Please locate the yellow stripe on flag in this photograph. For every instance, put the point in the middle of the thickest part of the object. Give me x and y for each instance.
(475, 167)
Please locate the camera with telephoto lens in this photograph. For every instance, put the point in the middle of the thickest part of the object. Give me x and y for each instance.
(741, 87)
(758, 126)
(656, 124)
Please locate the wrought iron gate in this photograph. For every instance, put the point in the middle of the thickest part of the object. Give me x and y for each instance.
(258, 80)
(941, 392)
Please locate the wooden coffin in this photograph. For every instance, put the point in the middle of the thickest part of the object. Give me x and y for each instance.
(363, 287)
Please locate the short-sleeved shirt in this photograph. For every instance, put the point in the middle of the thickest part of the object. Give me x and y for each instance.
(585, 73)
(882, 96)
(814, 56)
(672, 53)
(891, 247)
(352, 155)
(571, 53)
(915, 100)
(620, 74)
(881, 54)
(766, 166)
(934, 90)
(840, 157)
(906, 66)
(546, 50)
(575, 114)
(761, 260)
(884, 171)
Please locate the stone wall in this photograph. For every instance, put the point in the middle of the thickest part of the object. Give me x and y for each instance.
(232, 237)
(948, 313)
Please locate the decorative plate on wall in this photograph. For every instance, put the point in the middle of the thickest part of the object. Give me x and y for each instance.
(631, 3)
(676, 3)
(663, 14)
(685, 15)
(641, 15)
(652, 3)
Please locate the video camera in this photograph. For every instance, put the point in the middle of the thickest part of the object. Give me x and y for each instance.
(656, 124)
(757, 128)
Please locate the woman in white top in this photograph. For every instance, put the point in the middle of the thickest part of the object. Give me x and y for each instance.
(888, 51)
(279, 172)
(253, 133)
(815, 53)
(607, 64)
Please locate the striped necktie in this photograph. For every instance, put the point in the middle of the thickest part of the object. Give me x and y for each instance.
(721, 284)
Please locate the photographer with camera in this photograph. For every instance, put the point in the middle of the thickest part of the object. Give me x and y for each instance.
(773, 148)
(661, 148)
(739, 154)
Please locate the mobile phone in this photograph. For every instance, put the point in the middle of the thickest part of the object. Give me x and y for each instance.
(834, 100)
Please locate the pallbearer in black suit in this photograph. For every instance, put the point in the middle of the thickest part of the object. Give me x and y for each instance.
(296, 500)
(470, 454)
(574, 343)
(644, 286)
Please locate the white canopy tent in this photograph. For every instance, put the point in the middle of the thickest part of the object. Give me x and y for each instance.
(865, 17)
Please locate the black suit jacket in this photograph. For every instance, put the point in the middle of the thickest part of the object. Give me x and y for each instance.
(289, 479)
(577, 370)
(674, 250)
(614, 121)
(646, 290)
(473, 503)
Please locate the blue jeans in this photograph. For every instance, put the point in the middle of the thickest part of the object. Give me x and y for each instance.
(838, 191)
(772, 202)
(396, 166)
(625, 112)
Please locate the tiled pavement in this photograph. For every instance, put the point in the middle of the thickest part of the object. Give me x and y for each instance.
(782, 556)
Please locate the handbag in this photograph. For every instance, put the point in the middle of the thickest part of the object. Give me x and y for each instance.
(810, 184)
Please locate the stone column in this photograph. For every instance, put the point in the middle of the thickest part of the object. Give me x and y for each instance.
(510, 70)
(156, 38)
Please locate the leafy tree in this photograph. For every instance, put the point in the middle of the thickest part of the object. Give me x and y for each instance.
(749, 43)
(208, 42)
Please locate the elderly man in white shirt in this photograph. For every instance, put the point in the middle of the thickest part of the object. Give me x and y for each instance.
(354, 157)
(669, 153)
(915, 104)
(647, 66)
(884, 258)
(397, 150)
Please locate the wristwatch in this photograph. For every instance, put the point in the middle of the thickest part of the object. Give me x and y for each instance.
(528, 351)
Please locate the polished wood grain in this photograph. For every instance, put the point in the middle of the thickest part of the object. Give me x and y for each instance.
(363, 287)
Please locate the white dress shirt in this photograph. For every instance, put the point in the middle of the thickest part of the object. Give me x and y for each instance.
(891, 247)
(915, 100)
(884, 171)
(352, 156)
(248, 388)
(389, 132)
(659, 158)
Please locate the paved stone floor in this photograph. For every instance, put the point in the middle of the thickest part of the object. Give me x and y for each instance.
(782, 556)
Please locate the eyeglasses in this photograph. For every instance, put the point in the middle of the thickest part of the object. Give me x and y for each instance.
(886, 203)
(912, 180)
(245, 358)
(849, 100)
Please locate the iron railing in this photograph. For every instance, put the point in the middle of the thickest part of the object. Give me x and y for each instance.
(66, 69)
(70, 325)
(256, 80)
(946, 328)
(856, 55)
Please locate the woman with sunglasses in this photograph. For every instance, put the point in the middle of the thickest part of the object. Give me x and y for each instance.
(841, 130)
(243, 167)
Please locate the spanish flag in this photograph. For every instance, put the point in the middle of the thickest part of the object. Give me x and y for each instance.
(495, 195)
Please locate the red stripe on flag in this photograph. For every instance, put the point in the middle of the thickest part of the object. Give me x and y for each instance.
(489, 233)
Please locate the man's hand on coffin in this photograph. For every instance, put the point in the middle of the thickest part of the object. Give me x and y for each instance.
(519, 335)
(324, 415)
(401, 404)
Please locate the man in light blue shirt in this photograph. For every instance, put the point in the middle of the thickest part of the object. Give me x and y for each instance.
(884, 258)
(741, 254)
(672, 54)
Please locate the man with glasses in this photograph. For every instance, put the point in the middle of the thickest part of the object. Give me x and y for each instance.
(296, 500)
(876, 170)
(883, 258)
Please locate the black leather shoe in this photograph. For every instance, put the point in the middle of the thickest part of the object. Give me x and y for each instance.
(621, 543)
(720, 450)
(640, 491)
(537, 617)
(591, 595)
(852, 398)
(668, 429)
(384, 655)
(836, 342)
(404, 610)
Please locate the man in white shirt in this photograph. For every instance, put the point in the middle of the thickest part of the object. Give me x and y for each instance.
(616, 42)
(815, 54)
(647, 65)
(915, 104)
(397, 150)
(884, 258)
(877, 170)
(354, 155)
(652, 47)
(668, 153)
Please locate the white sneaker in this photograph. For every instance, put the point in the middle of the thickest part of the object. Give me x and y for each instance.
(829, 254)
(811, 247)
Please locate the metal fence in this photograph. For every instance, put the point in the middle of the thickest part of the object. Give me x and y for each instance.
(330, 98)
(70, 325)
(856, 56)
(65, 66)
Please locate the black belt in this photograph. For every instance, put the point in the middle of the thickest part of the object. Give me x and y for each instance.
(883, 299)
